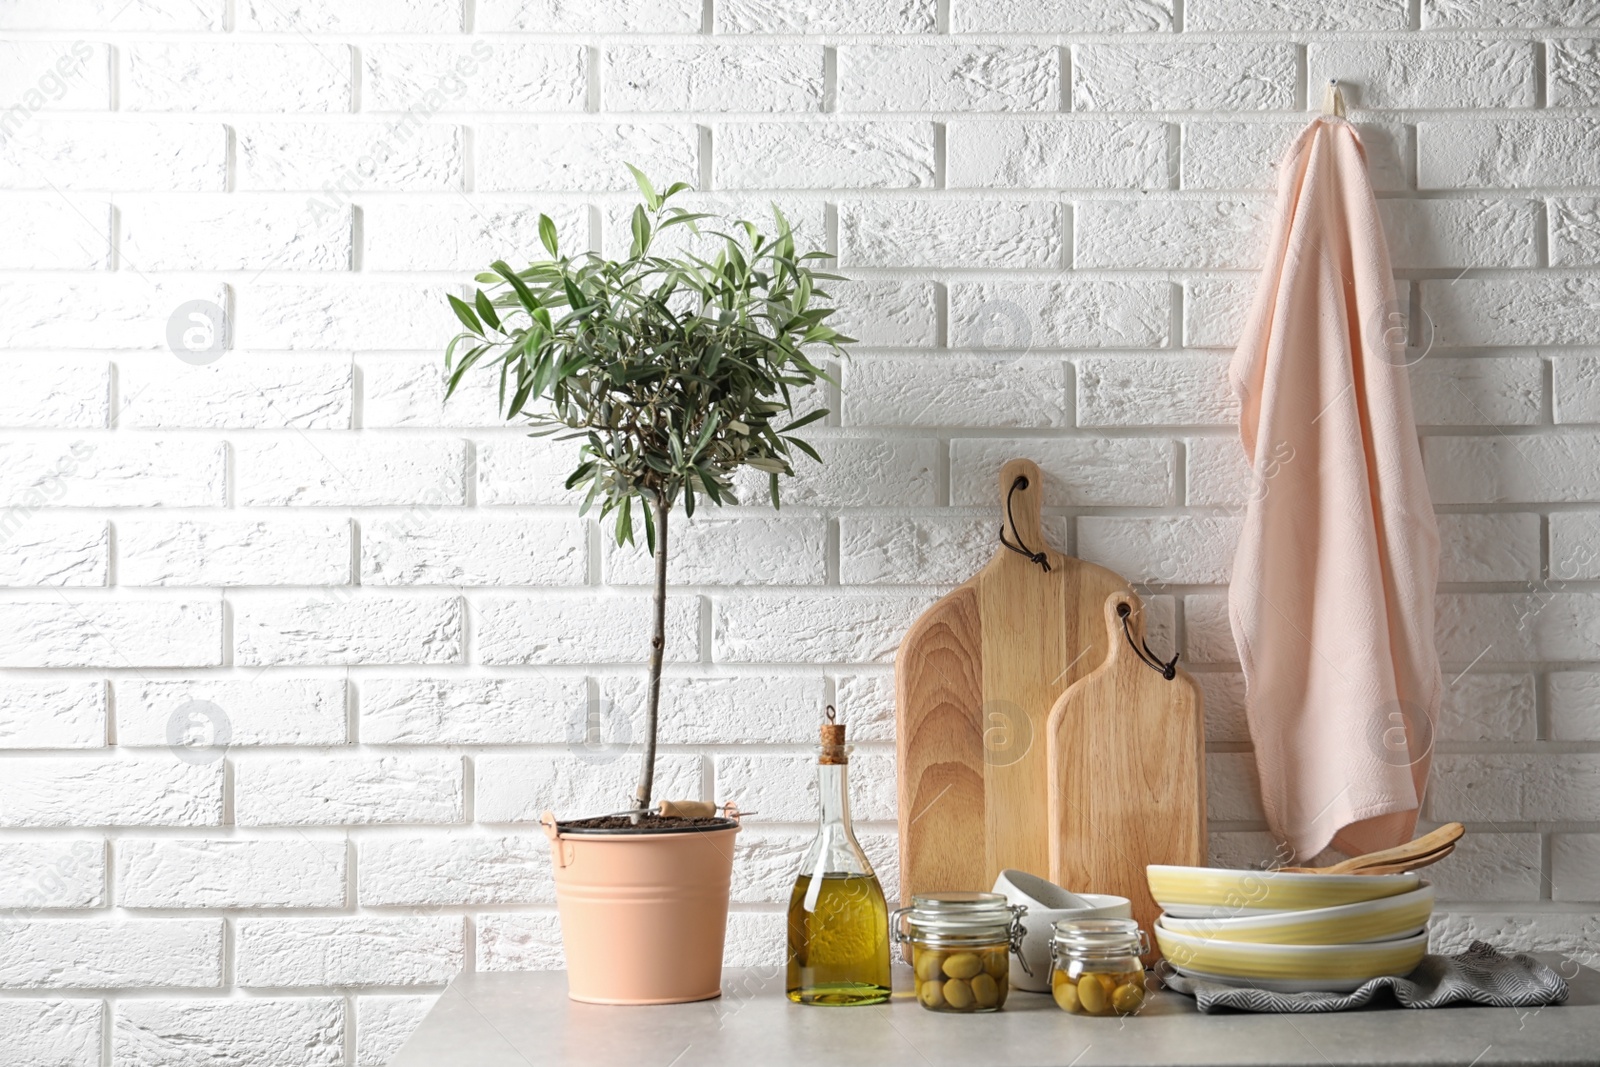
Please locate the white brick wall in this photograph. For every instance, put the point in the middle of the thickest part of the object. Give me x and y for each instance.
(1049, 211)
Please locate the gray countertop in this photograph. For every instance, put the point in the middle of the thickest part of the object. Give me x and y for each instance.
(526, 1020)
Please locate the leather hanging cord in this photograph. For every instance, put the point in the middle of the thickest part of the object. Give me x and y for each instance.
(1168, 670)
(1022, 550)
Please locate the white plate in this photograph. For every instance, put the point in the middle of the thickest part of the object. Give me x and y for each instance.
(1278, 985)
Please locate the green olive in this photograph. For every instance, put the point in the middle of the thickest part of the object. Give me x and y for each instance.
(997, 964)
(1092, 995)
(928, 964)
(986, 991)
(1127, 998)
(958, 994)
(963, 965)
(1066, 995)
(931, 994)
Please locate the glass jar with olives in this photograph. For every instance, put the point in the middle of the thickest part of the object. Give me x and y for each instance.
(960, 948)
(1095, 968)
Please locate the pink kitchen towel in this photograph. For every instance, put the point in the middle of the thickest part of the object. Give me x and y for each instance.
(1331, 600)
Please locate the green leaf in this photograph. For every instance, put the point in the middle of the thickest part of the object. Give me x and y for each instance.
(547, 235)
(524, 294)
(805, 420)
(486, 309)
(652, 201)
(465, 314)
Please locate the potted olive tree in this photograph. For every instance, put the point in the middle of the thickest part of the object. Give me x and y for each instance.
(673, 371)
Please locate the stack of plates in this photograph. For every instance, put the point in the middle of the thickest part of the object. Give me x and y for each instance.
(1290, 933)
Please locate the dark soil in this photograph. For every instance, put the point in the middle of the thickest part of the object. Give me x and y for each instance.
(649, 824)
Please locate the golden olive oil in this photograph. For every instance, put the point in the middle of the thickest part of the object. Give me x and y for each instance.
(838, 941)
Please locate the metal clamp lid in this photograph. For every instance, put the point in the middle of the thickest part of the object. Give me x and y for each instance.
(1100, 937)
(961, 915)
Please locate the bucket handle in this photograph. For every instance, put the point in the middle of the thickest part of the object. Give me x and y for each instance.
(560, 851)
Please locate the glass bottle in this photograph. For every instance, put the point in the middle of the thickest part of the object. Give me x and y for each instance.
(838, 921)
(961, 945)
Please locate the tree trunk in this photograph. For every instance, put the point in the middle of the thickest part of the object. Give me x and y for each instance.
(658, 644)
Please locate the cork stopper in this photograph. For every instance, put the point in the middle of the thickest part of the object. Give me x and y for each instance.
(832, 733)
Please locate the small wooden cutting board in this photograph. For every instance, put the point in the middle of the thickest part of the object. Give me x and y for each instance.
(1127, 772)
(975, 679)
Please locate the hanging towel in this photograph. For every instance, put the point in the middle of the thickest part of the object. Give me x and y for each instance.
(1331, 600)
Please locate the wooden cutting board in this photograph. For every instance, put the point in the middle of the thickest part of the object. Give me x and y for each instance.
(1127, 773)
(975, 679)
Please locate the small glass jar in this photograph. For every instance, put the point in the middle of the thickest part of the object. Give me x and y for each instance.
(960, 948)
(1095, 967)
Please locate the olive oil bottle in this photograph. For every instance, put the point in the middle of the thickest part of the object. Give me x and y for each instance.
(838, 921)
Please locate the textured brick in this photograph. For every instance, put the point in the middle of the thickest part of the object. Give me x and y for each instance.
(320, 317)
(1426, 234)
(1534, 14)
(1543, 623)
(55, 235)
(1064, 314)
(783, 788)
(855, 472)
(764, 863)
(343, 628)
(760, 708)
(52, 714)
(456, 551)
(115, 15)
(351, 16)
(1083, 471)
(807, 220)
(1056, 153)
(1574, 700)
(123, 154)
(383, 1024)
(288, 1032)
(1216, 473)
(409, 391)
(526, 470)
(714, 77)
(110, 633)
(1244, 153)
(56, 552)
(93, 472)
(1516, 788)
(331, 790)
(727, 551)
(967, 233)
(130, 953)
(581, 628)
(1574, 537)
(456, 869)
(1495, 470)
(1572, 934)
(1489, 548)
(108, 312)
(486, 75)
(210, 552)
(1514, 311)
(801, 628)
(1506, 153)
(1571, 73)
(411, 153)
(824, 16)
(1575, 867)
(838, 155)
(36, 875)
(361, 951)
(1060, 16)
(259, 710)
(297, 872)
(888, 313)
(518, 788)
(1194, 234)
(526, 941)
(918, 391)
(1574, 231)
(51, 1033)
(207, 76)
(1163, 77)
(1165, 390)
(239, 392)
(1214, 311)
(1478, 392)
(233, 232)
(599, 16)
(64, 393)
(1222, 697)
(298, 470)
(1183, 549)
(1231, 16)
(1208, 637)
(1426, 74)
(915, 77)
(471, 711)
(1577, 389)
(589, 156)
(145, 790)
(463, 234)
(885, 550)
(1491, 866)
(1487, 707)
(1233, 792)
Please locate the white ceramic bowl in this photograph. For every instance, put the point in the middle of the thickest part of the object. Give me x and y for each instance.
(1035, 893)
(1384, 919)
(1216, 892)
(1290, 968)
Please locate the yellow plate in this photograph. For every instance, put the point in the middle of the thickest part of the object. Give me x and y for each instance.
(1325, 964)
(1348, 924)
(1217, 892)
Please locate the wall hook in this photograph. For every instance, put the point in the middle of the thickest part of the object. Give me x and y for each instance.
(1333, 100)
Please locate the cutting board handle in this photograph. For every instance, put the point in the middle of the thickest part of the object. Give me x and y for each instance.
(1021, 497)
(1125, 626)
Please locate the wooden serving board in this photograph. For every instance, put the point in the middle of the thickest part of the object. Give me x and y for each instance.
(975, 679)
(1127, 773)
